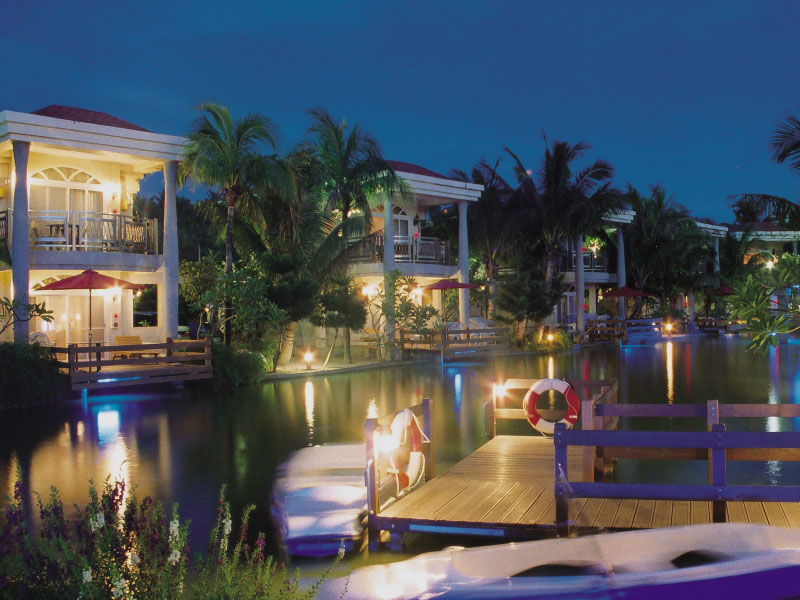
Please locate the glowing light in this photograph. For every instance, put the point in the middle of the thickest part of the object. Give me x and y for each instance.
(551, 368)
(386, 444)
(417, 293)
(308, 357)
(770, 264)
(114, 293)
(670, 375)
(309, 396)
(498, 390)
(369, 291)
(107, 425)
(372, 410)
(550, 337)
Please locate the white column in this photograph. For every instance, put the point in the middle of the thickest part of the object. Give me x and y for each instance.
(580, 317)
(170, 324)
(20, 246)
(691, 306)
(621, 276)
(463, 264)
(388, 253)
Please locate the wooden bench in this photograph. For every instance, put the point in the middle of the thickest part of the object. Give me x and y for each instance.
(131, 340)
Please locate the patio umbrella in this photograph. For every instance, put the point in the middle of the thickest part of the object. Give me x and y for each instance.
(724, 290)
(90, 280)
(448, 284)
(626, 292)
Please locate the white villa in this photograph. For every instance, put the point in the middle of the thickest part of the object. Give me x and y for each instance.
(67, 179)
(397, 243)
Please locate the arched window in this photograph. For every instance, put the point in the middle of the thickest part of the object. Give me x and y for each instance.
(64, 188)
(401, 222)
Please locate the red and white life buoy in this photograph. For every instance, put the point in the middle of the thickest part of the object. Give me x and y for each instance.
(407, 460)
(536, 390)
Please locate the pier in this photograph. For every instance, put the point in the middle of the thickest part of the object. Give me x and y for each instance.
(508, 488)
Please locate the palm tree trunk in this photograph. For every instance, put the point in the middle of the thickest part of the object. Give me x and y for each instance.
(348, 360)
(230, 197)
(287, 345)
(549, 273)
(491, 271)
(330, 350)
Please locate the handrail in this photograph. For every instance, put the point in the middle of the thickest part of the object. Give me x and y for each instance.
(407, 249)
(87, 231)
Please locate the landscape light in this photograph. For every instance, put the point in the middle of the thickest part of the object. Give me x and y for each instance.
(668, 327)
(308, 357)
(550, 337)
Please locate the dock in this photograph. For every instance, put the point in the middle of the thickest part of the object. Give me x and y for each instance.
(507, 487)
(111, 366)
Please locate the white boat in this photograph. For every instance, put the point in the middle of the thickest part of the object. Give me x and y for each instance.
(728, 561)
(320, 495)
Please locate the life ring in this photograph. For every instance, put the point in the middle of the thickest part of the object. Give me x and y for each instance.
(407, 460)
(543, 385)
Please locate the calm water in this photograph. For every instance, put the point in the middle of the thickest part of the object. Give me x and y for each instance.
(181, 448)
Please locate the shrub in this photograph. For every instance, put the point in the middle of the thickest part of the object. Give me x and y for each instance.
(234, 366)
(562, 340)
(30, 375)
(133, 551)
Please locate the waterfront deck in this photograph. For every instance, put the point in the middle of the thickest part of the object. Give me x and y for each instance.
(507, 488)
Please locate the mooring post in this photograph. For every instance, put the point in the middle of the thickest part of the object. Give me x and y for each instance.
(427, 429)
(561, 477)
(589, 452)
(718, 473)
(371, 476)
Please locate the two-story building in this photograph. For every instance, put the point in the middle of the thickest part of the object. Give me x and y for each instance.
(67, 180)
(397, 242)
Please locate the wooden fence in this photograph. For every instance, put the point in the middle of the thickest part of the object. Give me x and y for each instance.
(92, 367)
(717, 446)
(457, 343)
(629, 330)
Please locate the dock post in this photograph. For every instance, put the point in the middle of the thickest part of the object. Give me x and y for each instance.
(371, 476)
(589, 452)
(427, 429)
(719, 475)
(560, 476)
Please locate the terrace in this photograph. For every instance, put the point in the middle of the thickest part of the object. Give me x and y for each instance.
(407, 249)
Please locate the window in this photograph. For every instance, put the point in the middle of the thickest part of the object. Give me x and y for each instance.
(401, 222)
(63, 188)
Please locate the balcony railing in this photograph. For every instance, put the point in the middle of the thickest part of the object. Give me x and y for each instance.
(591, 262)
(407, 249)
(76, 230)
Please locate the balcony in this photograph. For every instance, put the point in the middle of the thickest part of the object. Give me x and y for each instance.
(86, 231)
(407, 249)
(591, 263)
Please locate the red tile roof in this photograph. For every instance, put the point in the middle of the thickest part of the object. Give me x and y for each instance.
(82, 115)
(415, 169)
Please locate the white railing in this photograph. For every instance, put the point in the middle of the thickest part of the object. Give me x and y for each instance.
(76, 230)
(407, 249)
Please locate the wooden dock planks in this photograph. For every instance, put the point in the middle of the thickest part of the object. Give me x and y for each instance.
(508, 483)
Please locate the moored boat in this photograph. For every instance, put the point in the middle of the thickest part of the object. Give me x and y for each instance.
(698, 561)
(320, 495)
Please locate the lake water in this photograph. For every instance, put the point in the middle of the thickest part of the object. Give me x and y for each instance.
(183, 447)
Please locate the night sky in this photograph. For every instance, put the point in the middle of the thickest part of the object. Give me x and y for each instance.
(686, 94)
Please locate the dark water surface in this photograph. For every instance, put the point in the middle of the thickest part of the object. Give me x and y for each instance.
(183, 447)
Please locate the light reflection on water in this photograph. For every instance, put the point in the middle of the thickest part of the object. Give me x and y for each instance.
(181, 449)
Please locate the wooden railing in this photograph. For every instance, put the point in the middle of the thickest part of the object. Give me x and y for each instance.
(451, 343)
(92, 367)
(407, 249)
(715, 446)
(372, 431)
(624, 329)
(710, 323)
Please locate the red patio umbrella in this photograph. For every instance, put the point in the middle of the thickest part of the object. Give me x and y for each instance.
(724, 290)
(626, 292)
(91, 280)
(448, 284)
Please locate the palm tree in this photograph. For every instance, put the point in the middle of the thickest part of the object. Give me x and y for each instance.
(668, 249)
(560, 205)
(785, 144)
(350, 173)
(492, 222)
(224, 153)
(755, 208)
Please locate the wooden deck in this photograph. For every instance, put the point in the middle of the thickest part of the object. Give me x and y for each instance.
(505, 489)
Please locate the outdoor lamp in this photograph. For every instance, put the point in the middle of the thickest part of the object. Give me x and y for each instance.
(550, 337)
(308, 357)
(668, 327)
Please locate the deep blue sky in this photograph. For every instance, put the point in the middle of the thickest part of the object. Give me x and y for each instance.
(685, 94)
